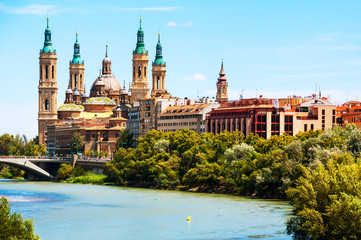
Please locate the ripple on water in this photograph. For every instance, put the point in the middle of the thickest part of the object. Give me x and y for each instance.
(31, 196)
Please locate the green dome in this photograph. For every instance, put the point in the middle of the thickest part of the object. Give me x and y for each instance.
(140, 48)
(159, 57)
(48, 46)
(76, 56)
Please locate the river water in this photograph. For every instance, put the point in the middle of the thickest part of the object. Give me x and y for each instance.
(72, 211)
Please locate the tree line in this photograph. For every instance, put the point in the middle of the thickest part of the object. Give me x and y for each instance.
(318, 171)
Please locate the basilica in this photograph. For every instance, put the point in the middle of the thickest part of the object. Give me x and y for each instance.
(99, 114)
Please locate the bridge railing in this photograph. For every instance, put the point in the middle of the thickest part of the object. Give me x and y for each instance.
(82, 158)
(35, 157)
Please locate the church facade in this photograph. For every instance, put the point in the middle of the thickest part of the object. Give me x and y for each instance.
(99, 116)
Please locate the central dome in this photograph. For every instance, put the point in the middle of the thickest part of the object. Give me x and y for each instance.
(111, 83)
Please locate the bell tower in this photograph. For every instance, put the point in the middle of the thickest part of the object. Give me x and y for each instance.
(140, 85)
(158, 73)
(222, 85)
(76, 69)
(48, 90)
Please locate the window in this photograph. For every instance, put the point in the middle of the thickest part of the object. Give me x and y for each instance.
(261, 125)
(133, 72)
(275, 124)
(76, 80)
(52, 72)
(145, 71)
(47, 105)
(157, 82)
(289, 125)
(305, 127)
(47, 72)
(311, 126)
(323, 111)
(139, 72)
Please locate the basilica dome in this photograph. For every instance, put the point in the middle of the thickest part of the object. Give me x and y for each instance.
(111, 83)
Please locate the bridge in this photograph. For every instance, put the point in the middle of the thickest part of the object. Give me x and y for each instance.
(37, 165)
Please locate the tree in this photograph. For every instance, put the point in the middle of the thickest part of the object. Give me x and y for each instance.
(13, 226)
(77, 143)
(125, 139)
(327, 202)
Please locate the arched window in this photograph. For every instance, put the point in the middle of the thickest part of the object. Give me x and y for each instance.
(76, 80)
(47, 105)
(41, 72)
(52, 72)
(157, 82)
(133, 72)
(47, 72)
(145, 71)
(139, 72)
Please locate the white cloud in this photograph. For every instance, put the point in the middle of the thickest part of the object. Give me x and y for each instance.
(162, 9)
(174, 24)
(34, 9)
(196, 77)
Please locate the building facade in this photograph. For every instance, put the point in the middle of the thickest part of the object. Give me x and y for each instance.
(193, 117)
(261, 117)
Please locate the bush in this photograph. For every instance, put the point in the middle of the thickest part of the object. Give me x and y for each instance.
(88, 178)
(7, 175)
(64, 171)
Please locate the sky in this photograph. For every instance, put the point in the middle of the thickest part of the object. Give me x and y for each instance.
(270, 48)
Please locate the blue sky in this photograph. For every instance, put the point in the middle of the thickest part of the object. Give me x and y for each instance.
(274, 48)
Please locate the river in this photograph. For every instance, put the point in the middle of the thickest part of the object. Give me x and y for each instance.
(75, 211)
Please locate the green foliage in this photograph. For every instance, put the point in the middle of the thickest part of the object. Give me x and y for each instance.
(327, 202)
(125, 139)
(88, 178)
(13, 226)
(64, 171)
(77, 144)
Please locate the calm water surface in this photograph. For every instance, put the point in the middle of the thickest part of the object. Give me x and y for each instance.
(71, 211)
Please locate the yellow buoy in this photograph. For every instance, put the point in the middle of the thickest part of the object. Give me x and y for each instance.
(189, 218)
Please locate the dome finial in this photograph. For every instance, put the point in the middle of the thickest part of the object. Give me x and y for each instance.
(106, 50)
(159, 37)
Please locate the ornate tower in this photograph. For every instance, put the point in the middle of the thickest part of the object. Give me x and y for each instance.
(158, 72)
(76, 69)
(48, 90)
(222, 85)
(140, 86)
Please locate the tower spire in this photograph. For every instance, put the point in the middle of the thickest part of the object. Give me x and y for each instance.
(222, 86)
(140, 47)
(76, 56)
(106, 64)
(48, 46)
(222, 73)
(158, 56)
